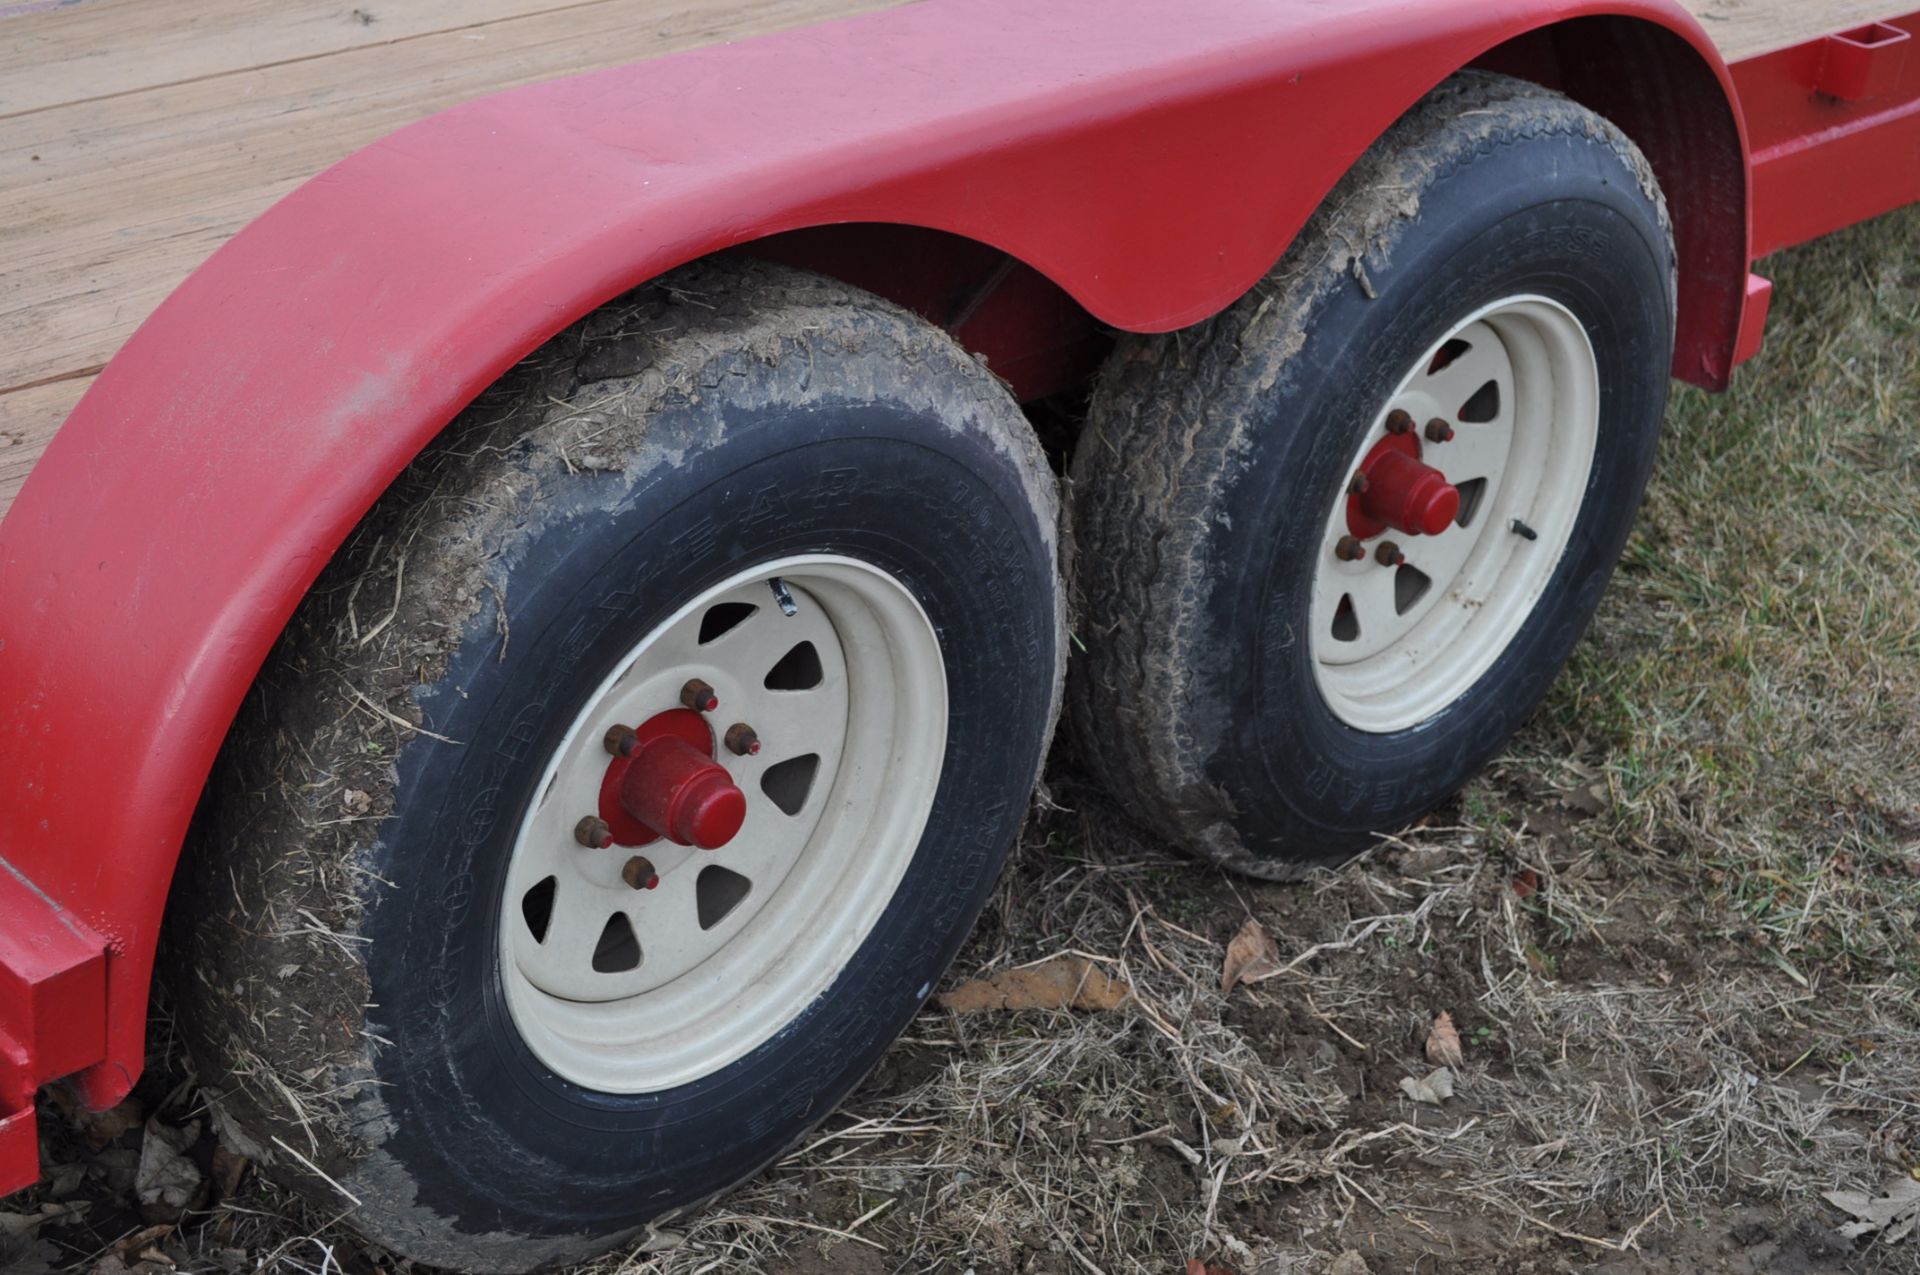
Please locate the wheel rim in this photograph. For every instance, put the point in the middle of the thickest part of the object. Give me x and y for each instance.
(1503, 413)
(630, 980)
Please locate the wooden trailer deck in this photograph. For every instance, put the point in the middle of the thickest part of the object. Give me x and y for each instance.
(137, 135)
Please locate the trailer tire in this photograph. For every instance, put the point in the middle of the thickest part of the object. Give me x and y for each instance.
(736, 461)
(1258, 685)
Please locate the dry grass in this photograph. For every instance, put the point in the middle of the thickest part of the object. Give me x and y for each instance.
(1707, 1012)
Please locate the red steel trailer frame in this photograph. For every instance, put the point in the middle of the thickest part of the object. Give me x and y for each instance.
(1021, 174)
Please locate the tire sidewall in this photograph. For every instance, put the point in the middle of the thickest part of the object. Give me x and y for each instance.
(1559, 216)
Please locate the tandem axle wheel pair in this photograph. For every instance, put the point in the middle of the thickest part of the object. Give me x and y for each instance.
(722, 815)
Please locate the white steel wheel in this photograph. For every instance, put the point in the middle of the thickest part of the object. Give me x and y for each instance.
(1427, 570)
(841, 548)
(640, 965)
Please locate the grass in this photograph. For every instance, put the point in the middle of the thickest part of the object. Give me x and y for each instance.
(1701, 1011)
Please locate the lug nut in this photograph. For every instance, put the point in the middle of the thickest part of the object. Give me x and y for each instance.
(698, 696)
(1399, 422)
(1438, 431)
(1349, 549)
(741, 740)
(620, 740)
(1389, 555)
(593, 833)
(639, 874)
(1359, 485)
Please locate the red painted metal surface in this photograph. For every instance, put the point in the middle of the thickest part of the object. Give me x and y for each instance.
(1148, 160)
(1863, 65)
(1395, 490)
(1753, 318)
(1835, 131)
(53, 1011)
(665, 783)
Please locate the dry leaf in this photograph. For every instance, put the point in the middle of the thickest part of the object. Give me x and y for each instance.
(1443, 1042)
(1349, 1263)
(99, 1127)
(1435, 1089)
(228, 1168)
(1197, 1267)
(65, 1179)
(29, 1257)
(1588, 799)
(168, 1182)
(1251, 956)
(27, 1223)
(144, 1238)
(1895, 1213)
(1062, 982)
(660, 1241)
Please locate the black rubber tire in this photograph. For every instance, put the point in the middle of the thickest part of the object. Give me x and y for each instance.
(1212, 454)
(341, 905)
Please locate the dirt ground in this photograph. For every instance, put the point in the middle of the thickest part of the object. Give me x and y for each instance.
(1674, 926)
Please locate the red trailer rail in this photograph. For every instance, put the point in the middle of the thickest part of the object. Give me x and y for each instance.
(1027, 178)
(1834, 127)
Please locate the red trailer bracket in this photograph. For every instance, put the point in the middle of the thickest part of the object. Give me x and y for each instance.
(53, 1012)
(1835, 127)
(1151, 159)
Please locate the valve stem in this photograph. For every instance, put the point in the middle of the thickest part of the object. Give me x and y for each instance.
(784, 597)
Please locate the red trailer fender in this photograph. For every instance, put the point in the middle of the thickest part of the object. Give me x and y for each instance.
(1152, 159)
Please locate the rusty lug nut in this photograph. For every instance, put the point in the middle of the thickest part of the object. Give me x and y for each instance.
(620, 740)
(742, 740)
(1349, 549)
(593, 833)
(638, 873)
(698, 696)
(1389, 555)
(1399, 422)
(1359, 485)
(1438, 431)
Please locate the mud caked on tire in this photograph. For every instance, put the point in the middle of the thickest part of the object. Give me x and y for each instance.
(412, 969)
(1333, 544)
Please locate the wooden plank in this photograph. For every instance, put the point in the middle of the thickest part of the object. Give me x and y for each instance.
(1744, 28)
(111, 202)
(27, 420)
(107, 202)
(96, 48)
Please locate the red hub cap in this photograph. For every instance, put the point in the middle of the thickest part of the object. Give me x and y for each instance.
(1401, 492)
(668, 785)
